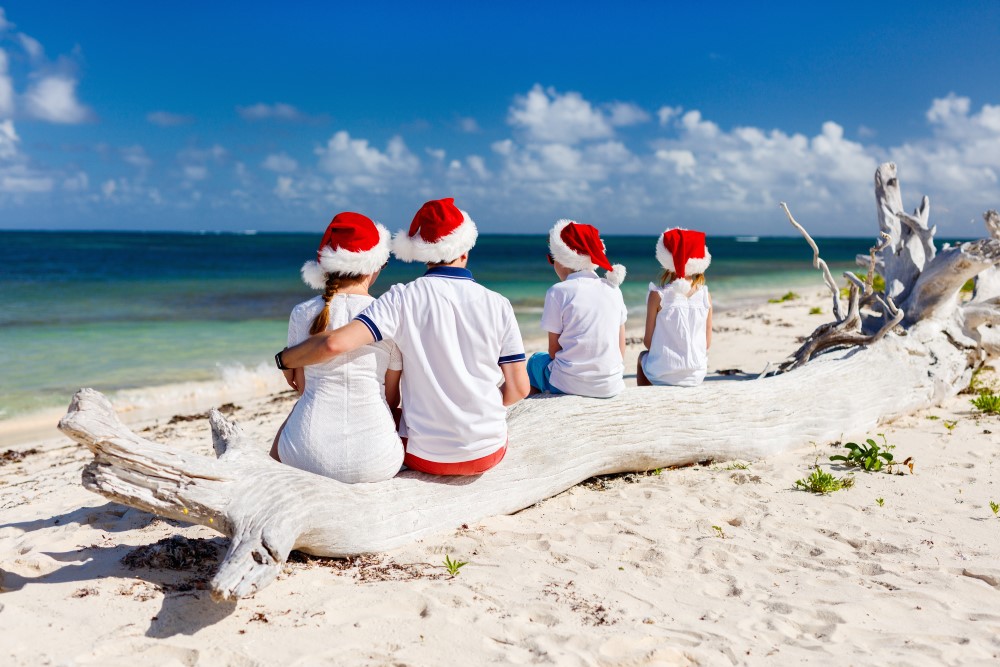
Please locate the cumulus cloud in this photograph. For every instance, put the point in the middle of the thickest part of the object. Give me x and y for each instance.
(136, 156)
(32, 47)
(8, 140)
(6, 88)
(548, 116)
(281, 163)
(344, 156)
(277, 111)
(168, 119)
(4, 23)
(468, 125)
(53, 98)
(623, 114)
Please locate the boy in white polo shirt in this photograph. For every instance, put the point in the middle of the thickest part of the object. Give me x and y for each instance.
(459, 342)
(585, 317)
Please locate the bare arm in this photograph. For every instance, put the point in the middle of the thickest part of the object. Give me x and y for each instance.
(708, 327)
(621, 340)
(652, 308)
(515, 382)
(392, 388)
(327, 345)
(554, 345)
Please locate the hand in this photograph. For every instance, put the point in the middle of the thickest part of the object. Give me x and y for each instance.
(290, 379)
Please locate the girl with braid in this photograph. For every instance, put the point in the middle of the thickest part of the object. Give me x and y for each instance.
(342, 427)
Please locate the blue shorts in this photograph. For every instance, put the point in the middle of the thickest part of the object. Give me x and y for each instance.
(539, 371)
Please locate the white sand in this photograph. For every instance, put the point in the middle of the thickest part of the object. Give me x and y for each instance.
(632, 574)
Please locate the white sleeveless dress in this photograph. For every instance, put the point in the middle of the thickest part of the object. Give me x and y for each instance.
(678, 353)
(341, 426)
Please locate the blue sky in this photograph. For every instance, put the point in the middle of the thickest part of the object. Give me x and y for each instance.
(632, 116)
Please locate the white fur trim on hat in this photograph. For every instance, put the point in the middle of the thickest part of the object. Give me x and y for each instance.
(616, 276)
(695, 265)
(408, 248)
(346, 262)
(565, 255)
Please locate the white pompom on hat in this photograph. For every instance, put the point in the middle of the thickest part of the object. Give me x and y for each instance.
(440, 232)
(579, 247)
(684, 252)
(353, 245)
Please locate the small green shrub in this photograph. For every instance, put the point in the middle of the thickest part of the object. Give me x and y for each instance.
(719, 532)
(453, 566)
(880, 501)
(867, 456)
(970, 285)
(994, 507)
(823, 482)
(815, 310)
(950, 424)
(787, 296)
(987, 402)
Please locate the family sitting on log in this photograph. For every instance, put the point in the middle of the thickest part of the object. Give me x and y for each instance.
(361, 417)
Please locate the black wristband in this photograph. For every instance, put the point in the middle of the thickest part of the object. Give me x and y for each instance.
(280, 362)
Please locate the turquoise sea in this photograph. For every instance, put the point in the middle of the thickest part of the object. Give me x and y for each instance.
(155, 315)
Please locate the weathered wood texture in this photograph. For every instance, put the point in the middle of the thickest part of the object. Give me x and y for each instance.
(268, 509)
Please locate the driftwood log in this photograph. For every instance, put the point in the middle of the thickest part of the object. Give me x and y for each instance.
(896, 360)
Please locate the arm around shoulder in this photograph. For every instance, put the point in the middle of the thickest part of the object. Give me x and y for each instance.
(327, 345)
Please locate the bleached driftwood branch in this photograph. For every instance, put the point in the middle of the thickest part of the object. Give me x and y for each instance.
(818, 262)
(268, 509)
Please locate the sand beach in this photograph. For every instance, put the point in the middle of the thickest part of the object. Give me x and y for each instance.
(721, 563)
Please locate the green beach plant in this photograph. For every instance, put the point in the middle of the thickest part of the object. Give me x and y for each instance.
(719, 532)
(823, 482)
(987, 402)
(868, 456)
(815, 310)
(950, 424)
(787, 296)
(453, 566)
(880, 501)
(994, 507)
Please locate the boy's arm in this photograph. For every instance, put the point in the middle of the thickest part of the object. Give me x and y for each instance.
(621, 341)
(554, 345)
(515, 382)
(327, 345)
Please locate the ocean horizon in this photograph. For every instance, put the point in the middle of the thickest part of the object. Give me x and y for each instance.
(154, 316)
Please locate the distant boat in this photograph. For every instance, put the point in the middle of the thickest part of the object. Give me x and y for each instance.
(747, 239)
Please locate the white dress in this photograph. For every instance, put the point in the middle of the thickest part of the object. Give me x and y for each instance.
(678, 353)
(341, 426)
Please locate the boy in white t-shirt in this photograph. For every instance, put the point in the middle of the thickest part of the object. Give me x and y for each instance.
(460, 342)
(585, 317)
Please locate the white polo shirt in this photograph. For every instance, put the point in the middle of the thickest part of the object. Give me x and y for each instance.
(454, 335)
(587, 312)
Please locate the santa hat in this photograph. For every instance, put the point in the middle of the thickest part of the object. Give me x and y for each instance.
(579, 247)
(440, 232)
(353, 245)
(684, 252)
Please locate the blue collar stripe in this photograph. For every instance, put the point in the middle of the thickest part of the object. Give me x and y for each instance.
(511, 358)
(365, 320)
(455, 272)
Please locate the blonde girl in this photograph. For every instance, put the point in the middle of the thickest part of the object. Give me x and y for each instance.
(678, 313)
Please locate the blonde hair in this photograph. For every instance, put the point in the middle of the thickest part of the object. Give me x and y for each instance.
(668, 276)
(334, 281)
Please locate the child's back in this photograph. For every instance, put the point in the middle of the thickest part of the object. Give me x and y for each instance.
(678, 351)
(587, 312)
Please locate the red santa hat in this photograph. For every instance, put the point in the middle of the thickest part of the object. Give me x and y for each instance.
(353, 245)
(440, 232)
(579, 247)
(684, 252)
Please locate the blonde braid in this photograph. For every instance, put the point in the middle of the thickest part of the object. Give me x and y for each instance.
(322, 320)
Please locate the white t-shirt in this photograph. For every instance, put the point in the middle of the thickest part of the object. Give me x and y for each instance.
(454, 334)
(587, 312)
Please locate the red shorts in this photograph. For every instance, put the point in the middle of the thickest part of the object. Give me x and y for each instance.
(474, 467)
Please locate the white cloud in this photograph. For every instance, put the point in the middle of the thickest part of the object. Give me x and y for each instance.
(53, 98)
(6, 88)
(666, 114)
(12, 182)
(78, 182)
(344, 156)
(468, 125)
(168, 119)
(136, 156)
(4, 23)
(546, 115)
(281, 163)
(31, 46)
(108, 189)
(194, 172)
(436, 153)
(624, 114)
(8, 140)
(278, 111)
